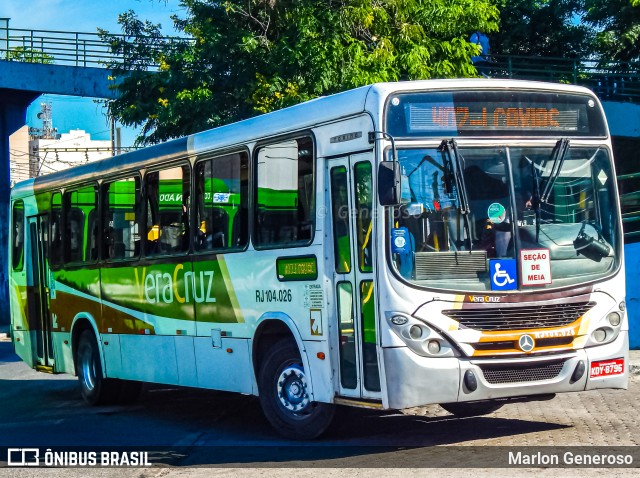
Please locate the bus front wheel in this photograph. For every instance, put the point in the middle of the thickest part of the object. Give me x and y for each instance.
(471, 409)
(285, 398)
(95, 389)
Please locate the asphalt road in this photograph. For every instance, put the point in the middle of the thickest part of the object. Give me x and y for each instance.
(227, 431)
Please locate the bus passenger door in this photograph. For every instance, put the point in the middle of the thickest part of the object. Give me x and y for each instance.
(38, 292)
(350, 201)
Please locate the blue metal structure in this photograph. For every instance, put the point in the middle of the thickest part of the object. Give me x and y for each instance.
(20, 85)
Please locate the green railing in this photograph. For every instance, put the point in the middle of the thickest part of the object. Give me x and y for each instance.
(614, 80)
(618, 81)
(629, 189)
(59, 48)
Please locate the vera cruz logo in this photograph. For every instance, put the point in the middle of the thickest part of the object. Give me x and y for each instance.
(157, 287)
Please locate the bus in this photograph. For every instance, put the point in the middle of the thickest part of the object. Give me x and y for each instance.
(452, 242)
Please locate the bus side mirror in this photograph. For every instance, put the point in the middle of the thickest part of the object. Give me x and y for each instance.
(389, 183)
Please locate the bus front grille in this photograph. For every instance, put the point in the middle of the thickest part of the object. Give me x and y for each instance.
(499, 374)
(511, 345)
(519, 318)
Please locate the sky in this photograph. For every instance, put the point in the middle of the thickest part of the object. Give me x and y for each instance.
(84, 16)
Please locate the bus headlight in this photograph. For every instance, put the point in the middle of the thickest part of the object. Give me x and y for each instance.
(415, 332)
(614, 319)
(419, 336)
(433, 346)
(599, 335)
(607, 328)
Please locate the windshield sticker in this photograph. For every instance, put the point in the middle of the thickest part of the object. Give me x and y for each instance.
(503, 274)
(496, 213)
(400, 240)
(535, 267)
(221, 197)
(602, 177)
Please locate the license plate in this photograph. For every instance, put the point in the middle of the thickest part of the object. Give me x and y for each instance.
(604, 368)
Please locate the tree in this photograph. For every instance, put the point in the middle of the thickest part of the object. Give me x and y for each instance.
(618, 24)
(550, 28)
(246, 57)
(29, 55)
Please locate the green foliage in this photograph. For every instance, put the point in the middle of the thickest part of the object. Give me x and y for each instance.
(618, 24)
(548, 28)
(253, 56)
(602, 29)
(29, 55)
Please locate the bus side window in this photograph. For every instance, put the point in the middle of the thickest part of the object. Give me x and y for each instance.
(81, 225)
(285, 205)
(91, 246)
(221, 199)
(75, 220)
(167, 228)
(18, 236)
(122, 199)
(55, 255)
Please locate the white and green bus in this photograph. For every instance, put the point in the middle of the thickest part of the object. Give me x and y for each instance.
(450, 241)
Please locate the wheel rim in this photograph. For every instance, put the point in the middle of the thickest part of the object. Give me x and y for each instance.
(292, 389)
(88, 370)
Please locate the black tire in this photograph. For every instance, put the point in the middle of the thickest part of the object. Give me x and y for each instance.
(94, 388)
(286, 405)
(471, 409)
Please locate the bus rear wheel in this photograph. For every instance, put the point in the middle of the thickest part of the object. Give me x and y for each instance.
(94, 388)
(471, 409)
(284, 395)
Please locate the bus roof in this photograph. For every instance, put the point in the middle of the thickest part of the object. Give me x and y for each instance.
(302, 116)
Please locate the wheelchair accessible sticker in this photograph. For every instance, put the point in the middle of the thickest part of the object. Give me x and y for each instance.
(503, 274)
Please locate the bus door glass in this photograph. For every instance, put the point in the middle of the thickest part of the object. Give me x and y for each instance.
(350, 201)
(38, 296)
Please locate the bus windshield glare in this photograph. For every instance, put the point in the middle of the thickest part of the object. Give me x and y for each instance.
(524, 204)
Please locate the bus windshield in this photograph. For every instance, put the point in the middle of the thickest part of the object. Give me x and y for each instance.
(546, 214)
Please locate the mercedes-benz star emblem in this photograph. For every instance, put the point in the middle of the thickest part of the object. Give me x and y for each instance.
(526, 343)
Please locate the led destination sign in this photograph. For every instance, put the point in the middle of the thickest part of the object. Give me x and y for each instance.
(462, 117)
(493, 113)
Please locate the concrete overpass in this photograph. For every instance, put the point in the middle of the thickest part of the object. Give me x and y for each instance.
(20, 84)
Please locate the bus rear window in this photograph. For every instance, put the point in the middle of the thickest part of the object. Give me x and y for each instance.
(494, 113)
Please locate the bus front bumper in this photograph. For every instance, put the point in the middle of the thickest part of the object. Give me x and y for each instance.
(413, 380)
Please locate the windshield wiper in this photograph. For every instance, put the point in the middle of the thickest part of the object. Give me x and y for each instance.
(535, 197)
(558, 155)
(454, 167)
